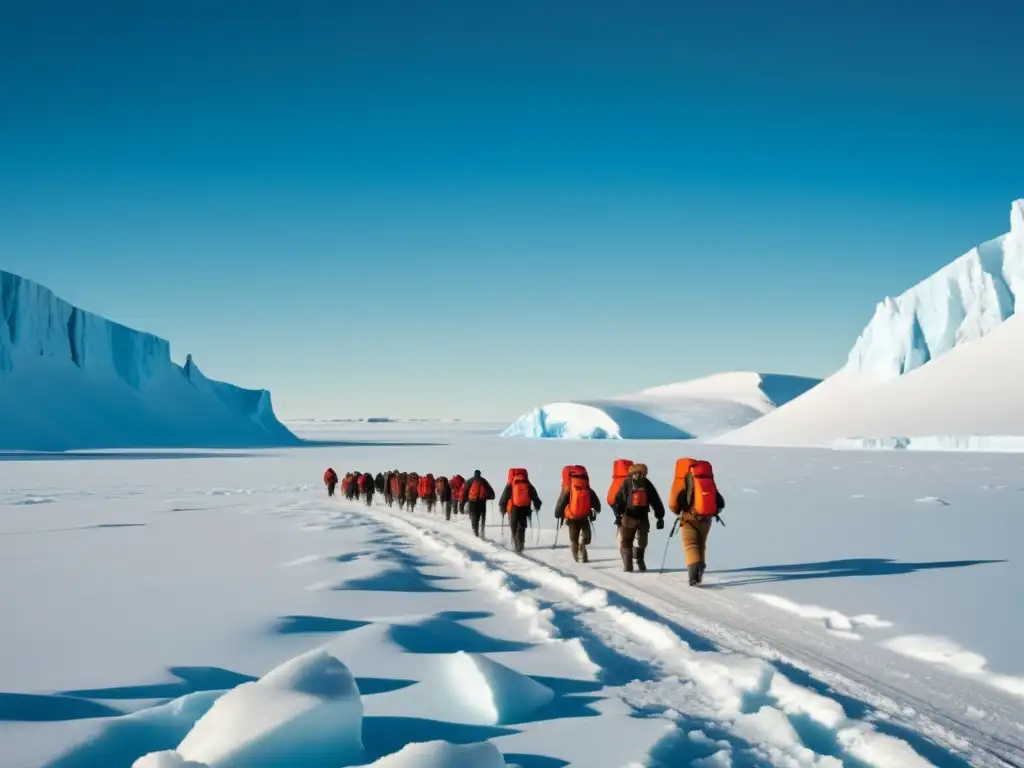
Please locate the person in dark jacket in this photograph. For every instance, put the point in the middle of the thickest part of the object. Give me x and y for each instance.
(368, 488)
(633, 504)
(519, 515)
(412, 491)
(444, 495)
(403, 480)
(389, 488)
(579, 527)
(475, 496)
(694, 530)
(378, 482)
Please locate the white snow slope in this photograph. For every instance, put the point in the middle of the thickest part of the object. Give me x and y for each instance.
(939, 362)
(70, 379)
(841, 623)
(699, 408)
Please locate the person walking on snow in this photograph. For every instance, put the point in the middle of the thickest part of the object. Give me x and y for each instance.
(367, 487)
(632, 508)
(475, 495)
(331, 481)
(444, 495)
(517, 497)
(578, 506)
(696, 516)
(412, 491)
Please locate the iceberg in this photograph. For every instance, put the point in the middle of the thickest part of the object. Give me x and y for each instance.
(70, 379)
(937, 368)
(685, 410)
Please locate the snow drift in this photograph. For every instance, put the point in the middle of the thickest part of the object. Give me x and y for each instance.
(940, 361)
(70, 379)
(699, 408)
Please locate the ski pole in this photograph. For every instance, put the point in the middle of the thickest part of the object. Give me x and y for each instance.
(557, 529)
(671, 533)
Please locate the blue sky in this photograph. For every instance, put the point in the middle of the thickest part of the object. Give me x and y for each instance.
(466, 209)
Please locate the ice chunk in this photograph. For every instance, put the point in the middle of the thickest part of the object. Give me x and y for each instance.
(307, 711)
(167, 759)
(472, 688)
(441, 754)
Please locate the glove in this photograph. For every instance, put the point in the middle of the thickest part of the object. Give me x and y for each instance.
(593, 517)
(539, 505)
(618, 520)
(660, 524)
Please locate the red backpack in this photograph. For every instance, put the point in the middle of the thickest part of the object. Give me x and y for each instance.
(457, 484)
(705, 492)
(520, 481)
(477, 490)
(579, 505)
(364, 482)
(620, 471)
(426, 487)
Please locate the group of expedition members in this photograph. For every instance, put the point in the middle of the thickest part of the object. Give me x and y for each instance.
(694, 499)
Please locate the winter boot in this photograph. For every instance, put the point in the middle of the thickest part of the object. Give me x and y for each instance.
(627, 559)
(584, 558)
(700, 571)
(694, 571)
(638, 555)
(575, 549)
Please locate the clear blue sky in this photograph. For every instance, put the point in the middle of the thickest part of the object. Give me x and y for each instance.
(469, 208)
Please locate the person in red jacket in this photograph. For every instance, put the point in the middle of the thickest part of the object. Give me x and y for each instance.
(330, 480)
(366, 487)
(444, 495)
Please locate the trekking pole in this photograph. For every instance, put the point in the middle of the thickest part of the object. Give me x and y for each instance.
(671, 533)
(557, 529)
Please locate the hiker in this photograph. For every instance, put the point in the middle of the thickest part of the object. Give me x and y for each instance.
(697, 501)
(444, 495)
(516, 499)
(632, 508)
(475, 495)
(348, 485)
(412, 489)
(427, 489)
(403, 479)
(578, 506)
(331, 481)
(389, 488)
(378, 483)
(366, 487)
(457, 484)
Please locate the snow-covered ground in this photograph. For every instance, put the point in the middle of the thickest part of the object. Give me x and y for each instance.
(704, 407)
(862, 609)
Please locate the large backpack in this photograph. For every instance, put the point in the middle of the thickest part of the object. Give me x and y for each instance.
(412, 485)
(330, 476)
(441, 485)
(579, 505)
(519, 479)
(457, 483)
(705, 492)
(620, 471)
(569, 470)
(364, 482)
(679, 482)
(396, 484)
(476, 490)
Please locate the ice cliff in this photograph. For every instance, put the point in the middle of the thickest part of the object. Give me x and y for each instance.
(963, 301)
(70, 379)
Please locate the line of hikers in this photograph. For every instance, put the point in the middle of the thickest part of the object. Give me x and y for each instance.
(694, 499)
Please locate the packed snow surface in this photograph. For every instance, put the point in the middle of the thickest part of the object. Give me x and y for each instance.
(224, 611)
(70, 379)
(937, 368)
(699, 408)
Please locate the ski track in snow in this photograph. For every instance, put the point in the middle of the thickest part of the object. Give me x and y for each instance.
(758, 698)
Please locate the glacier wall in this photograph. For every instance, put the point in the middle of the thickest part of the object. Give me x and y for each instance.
(963, 301)
(70, 379)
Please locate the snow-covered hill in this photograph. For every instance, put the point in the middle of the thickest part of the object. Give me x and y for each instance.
(943, 360)
(70, 379)
(685, 410)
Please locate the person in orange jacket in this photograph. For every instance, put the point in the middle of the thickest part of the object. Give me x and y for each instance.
(518, 496)
(330, 480)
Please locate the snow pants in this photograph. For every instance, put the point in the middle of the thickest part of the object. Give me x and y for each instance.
(518, 517)
(448, 510)
(633, 533)
(579, 535)
(330, 488)
(477, 516)
(694, 533)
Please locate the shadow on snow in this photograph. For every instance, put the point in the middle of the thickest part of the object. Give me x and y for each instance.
(838, 569)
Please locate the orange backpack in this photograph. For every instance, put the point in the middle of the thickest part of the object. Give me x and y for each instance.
(477, 490)
(620, 471)
(519, 479)
(457, 484)
(412, 485)
(364, 482)
(579, 505)
(569, 470)
(396, 484)
(330, 476)
(424, 487)
(679, 482)
(705, 492)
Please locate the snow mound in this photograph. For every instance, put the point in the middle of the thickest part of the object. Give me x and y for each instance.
(70, 379)
(307, 709)
(441, 754)
(964, 301)
(943, 359)
(471, 688)
(700, 408)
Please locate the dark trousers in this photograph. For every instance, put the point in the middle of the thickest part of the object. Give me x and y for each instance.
(477, 516)
(448, 510)
(518, 518)
(330, 488)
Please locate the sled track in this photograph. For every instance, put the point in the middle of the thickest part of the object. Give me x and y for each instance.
(862, 709)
